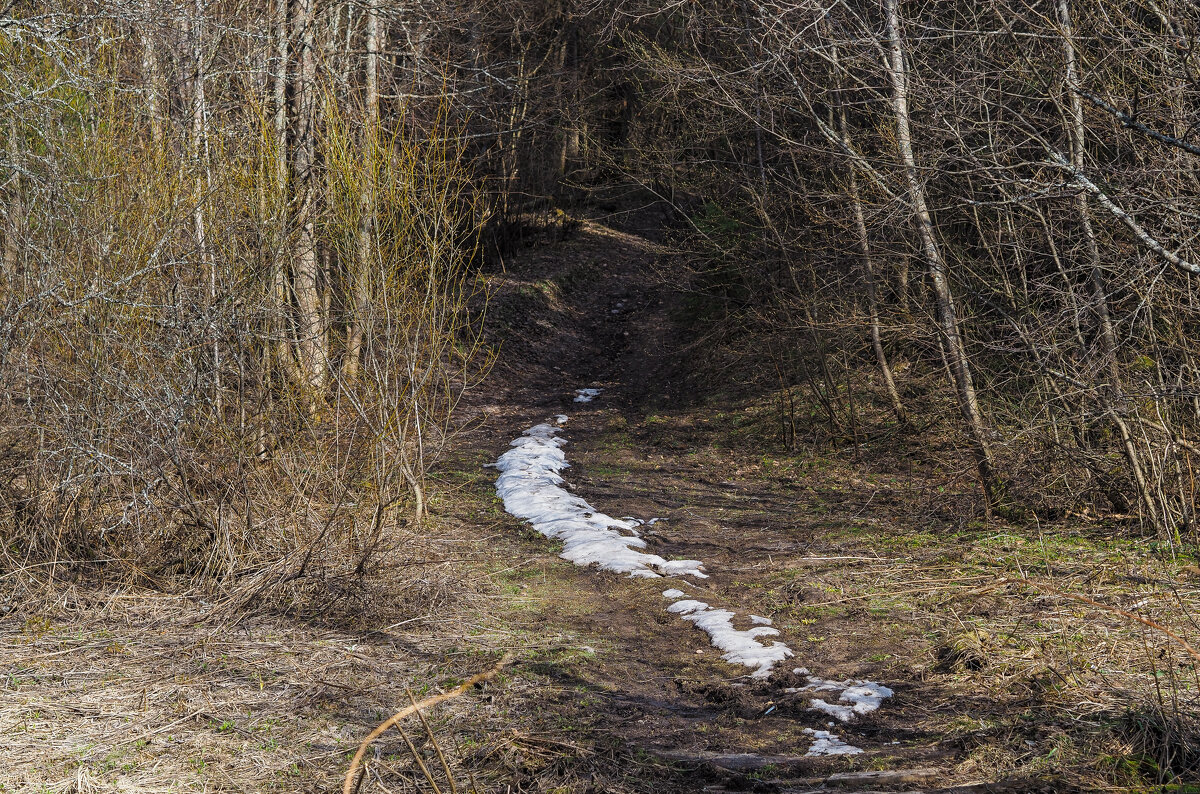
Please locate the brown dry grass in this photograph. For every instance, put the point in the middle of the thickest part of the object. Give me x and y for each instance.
(124, 689)
(1023, 650)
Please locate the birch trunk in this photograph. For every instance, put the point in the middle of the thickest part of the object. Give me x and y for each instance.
(365, 253)
(152, 70)
(948, 325)
(569, 68)
(1111, 392)
(311, 345)
(14, 212)
(864, 247)
(284, 327)
(200, 166)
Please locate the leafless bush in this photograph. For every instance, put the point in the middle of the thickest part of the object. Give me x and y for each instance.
(175, 399)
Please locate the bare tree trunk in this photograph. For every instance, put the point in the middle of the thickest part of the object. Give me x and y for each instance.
(284, 330)
(1111, 392)
(864, 246)
(153, 74)
(902, 287)
(200, 164)
(312, 343)
(365, 258)
(15, 211)
(569, 67)
(948, 325)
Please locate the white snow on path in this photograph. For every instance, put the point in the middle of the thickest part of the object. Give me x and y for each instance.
(531, 488)
(826, 743)
(859, 697)
(740, 647)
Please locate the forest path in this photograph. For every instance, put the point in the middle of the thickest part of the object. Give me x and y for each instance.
(591, 312)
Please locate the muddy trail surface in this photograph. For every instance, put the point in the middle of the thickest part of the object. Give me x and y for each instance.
(595, 311)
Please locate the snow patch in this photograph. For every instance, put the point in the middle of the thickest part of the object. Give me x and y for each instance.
(681, 567)
(740, 647)
(826, 743)
(860, 697)
(530, 486)
(561, 419)
(586, 395)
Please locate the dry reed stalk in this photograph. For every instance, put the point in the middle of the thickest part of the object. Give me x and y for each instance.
(415, 708)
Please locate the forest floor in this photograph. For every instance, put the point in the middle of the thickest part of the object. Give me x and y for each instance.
(872, 559)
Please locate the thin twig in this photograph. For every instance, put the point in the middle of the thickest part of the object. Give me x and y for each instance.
(1116, 610)
(428, 702)
(433, 740)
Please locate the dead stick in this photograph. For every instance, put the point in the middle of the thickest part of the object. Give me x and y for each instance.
(412, 748)
(436, 746)
(429, 702)
(1084, 599)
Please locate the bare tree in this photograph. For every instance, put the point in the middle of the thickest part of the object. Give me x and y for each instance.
(939, 276)
(365, 254)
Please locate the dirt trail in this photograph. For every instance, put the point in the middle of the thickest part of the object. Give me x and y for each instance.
(590, 313)
(869, 558)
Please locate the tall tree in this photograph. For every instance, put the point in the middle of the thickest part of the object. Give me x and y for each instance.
(365, 249)
(311, 328)
(950, 333)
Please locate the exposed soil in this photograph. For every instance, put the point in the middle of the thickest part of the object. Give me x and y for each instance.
(871, 560)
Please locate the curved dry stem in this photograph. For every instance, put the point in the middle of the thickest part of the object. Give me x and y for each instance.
(427, 703)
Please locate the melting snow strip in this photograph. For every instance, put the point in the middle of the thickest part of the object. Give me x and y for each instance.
(860, 697)
(530, 486)
(740, 646)
(826, 743)
(586, 395)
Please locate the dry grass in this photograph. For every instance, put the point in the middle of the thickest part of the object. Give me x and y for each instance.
(131, 690)
(1063, 650)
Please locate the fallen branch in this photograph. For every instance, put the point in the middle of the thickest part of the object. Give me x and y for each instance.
(1116, 610)
(429, 702)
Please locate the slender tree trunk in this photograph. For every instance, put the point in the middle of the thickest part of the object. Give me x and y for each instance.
(312, 343)
(200, 165)
(1110, 392)
(902, 287)
(15, 211)
(285, 332)
(569, 70)
(152, 69)
(365, 254)
(864, 246)
(948, 324)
